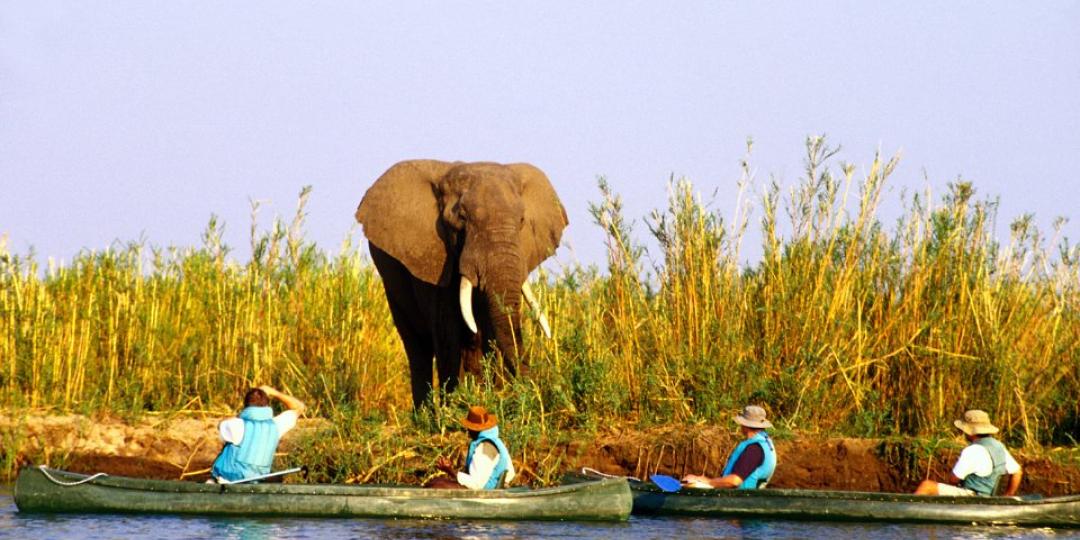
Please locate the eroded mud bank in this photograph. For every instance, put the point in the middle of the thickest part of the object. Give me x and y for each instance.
(175, 448)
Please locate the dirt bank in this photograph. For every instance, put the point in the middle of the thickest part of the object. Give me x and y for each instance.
(820, 462)
(184, 447)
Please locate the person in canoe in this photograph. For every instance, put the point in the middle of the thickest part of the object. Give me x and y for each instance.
(252, 438)
(487, 463)
(981, 465)
(753, 461)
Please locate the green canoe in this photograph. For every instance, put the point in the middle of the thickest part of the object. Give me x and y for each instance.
(39, 489)
(857, 506)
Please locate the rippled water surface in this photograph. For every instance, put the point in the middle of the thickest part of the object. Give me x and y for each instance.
(42, 527)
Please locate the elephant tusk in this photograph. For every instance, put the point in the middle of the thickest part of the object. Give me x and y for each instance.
(534, 305)
(465, 299)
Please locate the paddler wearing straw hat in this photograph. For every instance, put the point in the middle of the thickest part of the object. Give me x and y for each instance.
(487, 463)
(981, 464)
(753, 461)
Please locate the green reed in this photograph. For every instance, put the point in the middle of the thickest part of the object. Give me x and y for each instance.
(845, 325)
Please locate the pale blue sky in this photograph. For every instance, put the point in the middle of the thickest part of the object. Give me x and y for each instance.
(121, 119)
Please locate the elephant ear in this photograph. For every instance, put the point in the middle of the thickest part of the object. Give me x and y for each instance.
(400, 215)
(545, 217)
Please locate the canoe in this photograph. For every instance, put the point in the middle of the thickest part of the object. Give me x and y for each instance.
(39, 489)
(857, 506)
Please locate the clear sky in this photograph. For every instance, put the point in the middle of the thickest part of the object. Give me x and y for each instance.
(133, 118)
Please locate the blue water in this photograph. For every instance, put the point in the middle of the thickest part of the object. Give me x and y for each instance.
(45, 527)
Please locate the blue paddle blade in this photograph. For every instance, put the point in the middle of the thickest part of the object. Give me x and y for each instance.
(666, 483)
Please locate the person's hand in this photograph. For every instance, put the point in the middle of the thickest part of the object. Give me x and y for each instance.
(444, 465)
(690, 478)
(270, 391)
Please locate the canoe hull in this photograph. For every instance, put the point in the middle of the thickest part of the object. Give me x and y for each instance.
(858, 506)
(36, 491)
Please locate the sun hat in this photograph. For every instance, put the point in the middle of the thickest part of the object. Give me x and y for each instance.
(753, 416)
(479, 419)
(976, 422)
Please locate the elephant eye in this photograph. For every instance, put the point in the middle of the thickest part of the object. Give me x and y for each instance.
(457, 211)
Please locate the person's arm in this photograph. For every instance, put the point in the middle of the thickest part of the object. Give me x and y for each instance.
(723, 482)
(231, 430)
(480, 468)
(445, 466)
(1014, 483)
(748, 461)
(968, 462)
(726, 482)
(289, 401)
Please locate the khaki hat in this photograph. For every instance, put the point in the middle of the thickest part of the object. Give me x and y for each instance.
(753, 416)
(976, 422)
(479, 419)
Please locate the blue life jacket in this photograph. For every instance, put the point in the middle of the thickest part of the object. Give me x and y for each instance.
(985, 485)
(255, 453)
(491, 436)
(764, 472)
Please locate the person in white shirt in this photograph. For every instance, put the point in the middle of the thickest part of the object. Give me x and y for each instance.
(981, 465)
(252, 438)
(487, 462)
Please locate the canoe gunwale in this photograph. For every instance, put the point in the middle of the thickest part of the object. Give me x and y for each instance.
(45, 491)
(870, 496)
(1061, 511)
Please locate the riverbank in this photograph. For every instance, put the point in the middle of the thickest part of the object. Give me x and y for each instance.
(845, 325)
(184, 446)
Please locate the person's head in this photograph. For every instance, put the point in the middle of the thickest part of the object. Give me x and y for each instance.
(975, 424)
(256, 398)
(752, 419)
(478, 419)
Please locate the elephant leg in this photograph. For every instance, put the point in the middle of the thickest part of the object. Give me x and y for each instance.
(410, 321)
(449, 330)
(419, 349)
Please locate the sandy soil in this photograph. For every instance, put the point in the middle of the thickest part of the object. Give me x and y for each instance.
(809, 462)
(184, 447)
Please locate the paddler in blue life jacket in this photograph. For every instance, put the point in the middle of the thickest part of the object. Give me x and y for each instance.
(981, 464)
(487, 463)
(753, 461)
(252, 438)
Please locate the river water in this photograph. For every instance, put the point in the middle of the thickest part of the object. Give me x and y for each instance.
(46, 527)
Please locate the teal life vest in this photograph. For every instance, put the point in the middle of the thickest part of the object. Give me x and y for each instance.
(255, 453)
(985, 485)
(501, 466)
(764, 472)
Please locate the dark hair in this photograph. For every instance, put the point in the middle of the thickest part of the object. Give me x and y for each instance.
(256, 398)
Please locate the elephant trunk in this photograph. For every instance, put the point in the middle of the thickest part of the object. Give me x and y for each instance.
(504, 311)
(501, 275)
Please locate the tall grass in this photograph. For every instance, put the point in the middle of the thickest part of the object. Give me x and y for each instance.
(176, 328)
(845, 325)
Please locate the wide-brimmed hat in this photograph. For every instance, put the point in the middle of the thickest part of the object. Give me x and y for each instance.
(479, 419)
(753, 416)
(976, 422)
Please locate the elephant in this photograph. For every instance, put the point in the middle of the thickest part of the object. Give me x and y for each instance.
(454, 243)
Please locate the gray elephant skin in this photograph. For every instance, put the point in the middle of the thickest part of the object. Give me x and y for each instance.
(454, 244)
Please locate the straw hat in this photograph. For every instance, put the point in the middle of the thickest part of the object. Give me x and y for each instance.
(976, 422)
(479, 419)
(753, 416)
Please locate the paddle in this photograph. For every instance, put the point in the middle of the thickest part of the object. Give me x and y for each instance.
(666, 483)
(262, 477)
